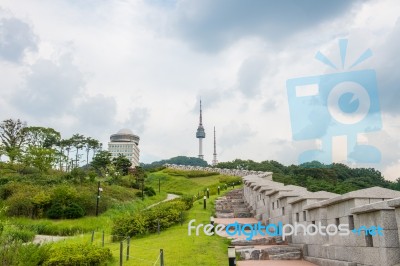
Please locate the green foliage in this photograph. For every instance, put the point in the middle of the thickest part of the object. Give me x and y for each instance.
(181, 160)
(140, 223)
(39, 158)
(315, 176)
(19, 254)
(13, 136)
(101, 160)
(149, 191)
(78, 254)
(189, 174)
(122, 164)
(13, 233)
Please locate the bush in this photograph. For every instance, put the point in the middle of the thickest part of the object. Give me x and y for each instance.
(149, 191)
(13, 233)
(16, 253)
(167, 213)
(78, 254)
(71, 211)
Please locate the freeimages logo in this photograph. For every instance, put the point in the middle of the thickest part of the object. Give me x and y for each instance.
(342, 104)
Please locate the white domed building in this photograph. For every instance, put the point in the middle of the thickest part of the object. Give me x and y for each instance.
(126, 143)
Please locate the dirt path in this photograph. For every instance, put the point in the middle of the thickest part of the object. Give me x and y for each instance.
(41, 239)
(169, 197)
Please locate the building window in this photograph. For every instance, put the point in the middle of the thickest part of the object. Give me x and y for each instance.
(273, 204)
(277, 204)
(304, 216)
(368, 240)
(283, 210)
(313, 227)
(351, 222)
(297, 217)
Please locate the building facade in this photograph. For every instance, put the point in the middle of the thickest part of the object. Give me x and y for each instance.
(126, 143)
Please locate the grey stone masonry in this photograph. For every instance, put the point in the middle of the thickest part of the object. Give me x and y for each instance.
(359, 228)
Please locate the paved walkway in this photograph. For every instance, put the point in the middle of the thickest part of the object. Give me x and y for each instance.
(169, 197)
(41, 239)
(274, 263)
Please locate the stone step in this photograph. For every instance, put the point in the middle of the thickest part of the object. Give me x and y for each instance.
(269, 253)
(224, 215)
(242, 215)
(258, 241)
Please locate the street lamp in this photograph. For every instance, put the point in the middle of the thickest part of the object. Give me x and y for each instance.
(99, 189)
(232, 256)
(205, 202)
(212, 223)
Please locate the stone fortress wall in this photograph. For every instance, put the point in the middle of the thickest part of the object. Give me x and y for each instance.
(273, 202)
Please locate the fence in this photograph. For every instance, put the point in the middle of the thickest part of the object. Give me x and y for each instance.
(129, 254)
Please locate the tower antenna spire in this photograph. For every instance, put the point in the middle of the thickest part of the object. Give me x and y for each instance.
(201, 115)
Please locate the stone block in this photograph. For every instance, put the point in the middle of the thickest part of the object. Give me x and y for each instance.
(390, 239)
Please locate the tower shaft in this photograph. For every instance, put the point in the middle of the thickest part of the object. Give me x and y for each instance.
(201, 156)
(215, 161)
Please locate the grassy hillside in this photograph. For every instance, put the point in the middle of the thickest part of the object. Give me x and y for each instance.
(179, 248)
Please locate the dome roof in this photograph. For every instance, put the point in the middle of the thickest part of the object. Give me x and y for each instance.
(125, 135)
(125, 131)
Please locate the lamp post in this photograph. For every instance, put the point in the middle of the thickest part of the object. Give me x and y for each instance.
(208, 193)
(212, 223)
(218, 190)
(99, 189)
(232, 256)
(205, 202)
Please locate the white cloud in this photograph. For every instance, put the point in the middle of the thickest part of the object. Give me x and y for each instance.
(144, 65)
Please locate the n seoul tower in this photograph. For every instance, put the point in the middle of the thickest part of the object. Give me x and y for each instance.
(200, 134)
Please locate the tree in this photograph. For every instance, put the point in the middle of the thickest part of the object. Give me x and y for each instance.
(65, 145)
(122, 164)
(13, 136)
(91, 144)
(101, 160)
(78, 143)
(41, 158)
(42, 137)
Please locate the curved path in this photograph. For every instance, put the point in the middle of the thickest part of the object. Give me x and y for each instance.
(169, 197)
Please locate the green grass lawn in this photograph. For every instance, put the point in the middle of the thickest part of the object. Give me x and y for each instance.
(179, 248)
(180, 184)
(87, 223)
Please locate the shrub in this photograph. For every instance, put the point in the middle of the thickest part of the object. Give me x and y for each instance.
(19, 205)
(16, 253)
(149, 191)
(13, 233)
(70, 211)
(73, 211)
(78, 254)
(167, 213)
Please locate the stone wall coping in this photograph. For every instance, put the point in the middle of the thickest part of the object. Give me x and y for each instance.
(290, 194)
(366, 193)
(314, 205)
(394, 202)
(319, 195)
(373, 207)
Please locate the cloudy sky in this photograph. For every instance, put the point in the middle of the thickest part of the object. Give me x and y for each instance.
(93, 67)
